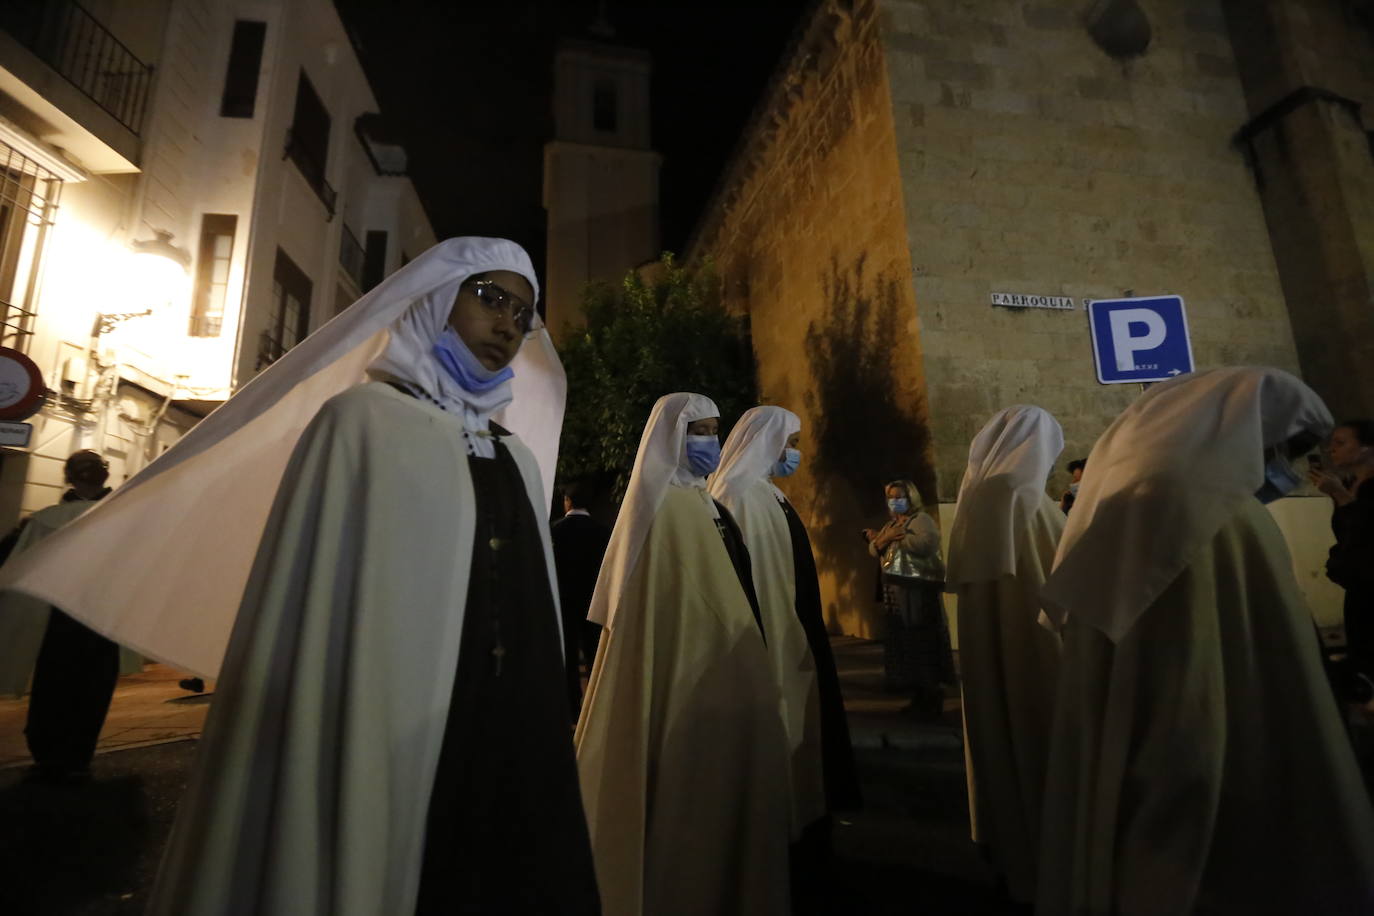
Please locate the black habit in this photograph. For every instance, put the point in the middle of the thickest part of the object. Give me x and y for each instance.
(837, 754)
(506, 832)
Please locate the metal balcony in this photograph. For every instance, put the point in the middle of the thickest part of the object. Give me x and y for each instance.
(311, 170)
(69, 39)
(16, 326)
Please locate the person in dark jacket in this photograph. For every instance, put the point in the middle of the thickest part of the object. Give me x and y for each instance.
(75, 668)
(579, 543)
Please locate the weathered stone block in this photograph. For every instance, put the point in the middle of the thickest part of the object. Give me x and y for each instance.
(1050, 17)
(965, 72)
(1103, 89)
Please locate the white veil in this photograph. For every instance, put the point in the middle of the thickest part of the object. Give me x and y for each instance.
(751, 450)
(1162, 480)
(1002, 492)
(657, 467)
(160, 565)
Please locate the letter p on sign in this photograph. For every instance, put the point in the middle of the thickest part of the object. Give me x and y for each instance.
(1140, 339)
(1125, 344)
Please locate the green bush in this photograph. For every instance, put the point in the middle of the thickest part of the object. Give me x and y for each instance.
(654, 334)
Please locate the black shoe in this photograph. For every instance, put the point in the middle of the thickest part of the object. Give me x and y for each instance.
(193, 684)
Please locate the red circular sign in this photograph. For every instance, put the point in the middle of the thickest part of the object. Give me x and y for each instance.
(21, 386)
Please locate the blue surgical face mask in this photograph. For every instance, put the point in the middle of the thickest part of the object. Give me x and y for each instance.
(1073, 488)
(703, 454)
(789, 462)
(464, 368)
(1280, 479)
(899, 506)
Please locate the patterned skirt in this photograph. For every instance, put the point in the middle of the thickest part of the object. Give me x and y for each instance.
(917, 658)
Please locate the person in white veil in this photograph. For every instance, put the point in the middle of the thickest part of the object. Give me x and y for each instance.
(763, 446)
(1001, 548)
(389, 733)
(681, 746)
(1198, 763)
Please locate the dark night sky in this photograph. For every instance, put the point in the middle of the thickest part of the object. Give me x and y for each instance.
(468, 87)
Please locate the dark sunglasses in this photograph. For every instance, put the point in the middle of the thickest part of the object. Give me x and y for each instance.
(499, 301)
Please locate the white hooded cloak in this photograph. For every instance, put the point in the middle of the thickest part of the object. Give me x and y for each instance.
(681, 747)
(1198, 762)
(1002, 546)
(742, 485)
(314, 774)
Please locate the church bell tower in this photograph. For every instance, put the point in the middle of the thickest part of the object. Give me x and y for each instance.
(600, 174)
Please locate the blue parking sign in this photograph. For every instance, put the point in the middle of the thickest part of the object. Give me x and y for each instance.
(1140, 340)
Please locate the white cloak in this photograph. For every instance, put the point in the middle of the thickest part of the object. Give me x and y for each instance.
(24, 619)
(766, 534)
(1199, 765)
(313, 784)
(681, 749)
(1009, 666)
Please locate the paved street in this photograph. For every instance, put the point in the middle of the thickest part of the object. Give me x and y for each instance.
(148, 708)
(92, 850)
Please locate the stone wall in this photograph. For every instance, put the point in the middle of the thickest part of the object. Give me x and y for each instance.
(809, 234)
(912, 158)
(1032, 162)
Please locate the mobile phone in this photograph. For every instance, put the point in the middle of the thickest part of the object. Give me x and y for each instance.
(1314, 461)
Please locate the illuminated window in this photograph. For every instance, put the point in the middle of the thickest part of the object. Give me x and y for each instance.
(212, 273)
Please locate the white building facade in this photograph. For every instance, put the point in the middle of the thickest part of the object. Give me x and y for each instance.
(187, 189)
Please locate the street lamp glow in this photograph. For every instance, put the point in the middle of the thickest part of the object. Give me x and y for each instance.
(158, 278)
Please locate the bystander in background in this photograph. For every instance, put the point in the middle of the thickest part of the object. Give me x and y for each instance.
(917, 653)
(579, 544)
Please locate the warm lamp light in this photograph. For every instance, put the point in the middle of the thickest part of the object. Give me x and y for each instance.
(161, 247)
(159, 275)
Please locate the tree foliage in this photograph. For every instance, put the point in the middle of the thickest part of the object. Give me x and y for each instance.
(654, 334)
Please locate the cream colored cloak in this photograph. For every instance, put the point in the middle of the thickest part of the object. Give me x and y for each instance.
(681, 749)
(1009, 666)
(314, 778)
(764, 527)
(1199, 765)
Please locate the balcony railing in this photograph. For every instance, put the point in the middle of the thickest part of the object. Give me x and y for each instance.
(311, 170)
(75, 44)
(16, 326)
(351, 256)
